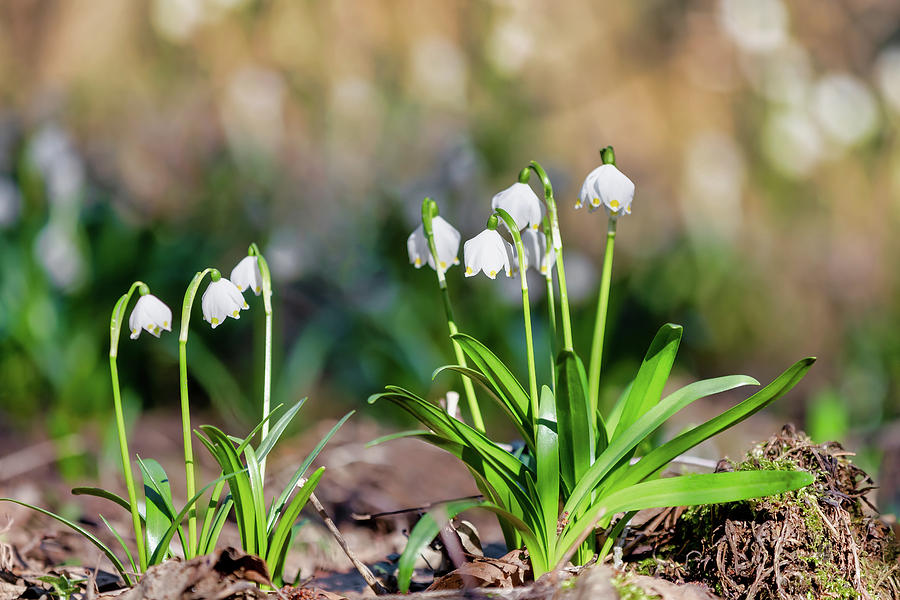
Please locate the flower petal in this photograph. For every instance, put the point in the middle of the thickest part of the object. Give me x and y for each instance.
(246, 274)
(522, 204)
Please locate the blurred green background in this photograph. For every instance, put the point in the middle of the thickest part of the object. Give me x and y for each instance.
(149, 139)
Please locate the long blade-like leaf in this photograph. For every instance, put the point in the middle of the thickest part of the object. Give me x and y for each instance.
(278, 543)
(497, 373)
(122, 543)
(652, 375)
(687, 490)
(576, 423)
(160, 508)
(623, 444)
(278, 506)
(84, 532)
(509, 407)
(244, 442)
(277, 430)
(107, 495)
(259, 501)
(660, 457)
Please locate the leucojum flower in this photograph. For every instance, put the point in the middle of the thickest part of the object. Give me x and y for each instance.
(149, 313)
(446, 241)
(536, 251)
(523, 205)
(608, 187)
(247, 274)
(488, 252)
(220, 300)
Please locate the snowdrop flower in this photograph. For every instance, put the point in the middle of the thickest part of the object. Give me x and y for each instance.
(446, 241)
(607, 186)
(488, 252)
(149, 313)
(246, 274)
(221, 299)
(536, 254)
(523, 205)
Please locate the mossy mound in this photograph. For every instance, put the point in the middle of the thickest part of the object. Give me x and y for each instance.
(824, 541)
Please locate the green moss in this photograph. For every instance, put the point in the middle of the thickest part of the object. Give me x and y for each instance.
(627, 590)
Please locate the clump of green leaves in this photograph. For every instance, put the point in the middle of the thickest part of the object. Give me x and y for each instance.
(579, 467)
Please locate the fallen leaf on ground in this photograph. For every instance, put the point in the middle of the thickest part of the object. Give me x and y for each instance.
(508, 571)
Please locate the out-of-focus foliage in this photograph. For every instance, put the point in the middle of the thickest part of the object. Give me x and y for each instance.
(150, 139)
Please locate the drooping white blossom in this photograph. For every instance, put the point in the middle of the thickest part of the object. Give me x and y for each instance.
(246, 274)
(149, 313)
(608, 187)
(487, 252)
(536, 253)
(446, 241)
(522, 204)
(220, 300)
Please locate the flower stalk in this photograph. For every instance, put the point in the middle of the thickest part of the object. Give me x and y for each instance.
(266, 278)
(551, 304)
(190, 480)
(556, 238)
(115, 328)
(429, 212)
(526, 306)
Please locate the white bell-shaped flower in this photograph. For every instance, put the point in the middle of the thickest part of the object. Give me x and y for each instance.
(246, 274)
(487, 252)
(149, 313)
(538, 258)
(446, 240)
(608, 187)
(220, 300)
(522, 204)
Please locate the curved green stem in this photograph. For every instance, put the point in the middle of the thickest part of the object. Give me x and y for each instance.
(600, 320)
(429, 211)
(115, 329)
(550, 203)
(267, 372)
(190, 480)
(526, 309)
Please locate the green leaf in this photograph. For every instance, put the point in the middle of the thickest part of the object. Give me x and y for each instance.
(662, 455)
(396, 436)
(277, 430)
(548, 465)
(612, 420)
(576, 424)
(105, 494)
(259, 501)
(687, 490)
(278, 506)
(425, 530)
(207, 541)
(121, 543)
(244, 442)
(160, 508)
(84, 532)
(647, 387)
(523, 427)
(497, 373)
(278, 543)
(620, 447)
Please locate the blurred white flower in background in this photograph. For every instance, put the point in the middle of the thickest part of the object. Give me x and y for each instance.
(791, 142)
(754, 25)
(511, 41)
(176, 20)
(439, 72)
(581, 276)
(783, 76)
(887, 72)
(58, 253)
(288, 254)
(845, 108)
(714, 174)
(10, 203)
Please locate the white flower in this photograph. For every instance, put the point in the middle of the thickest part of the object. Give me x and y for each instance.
(607, 186)
(522, 204)
(222, 299)
(487, 252)
(446, 241)
(536, 254)
(246, 274)
(149, 313)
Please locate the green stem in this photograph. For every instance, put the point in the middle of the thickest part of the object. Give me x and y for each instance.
(550, 203)
(429, 211)
(551, 310)
(190, 481)
(600, 321)
(526, 309)
(115, 328)
(267, 372)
